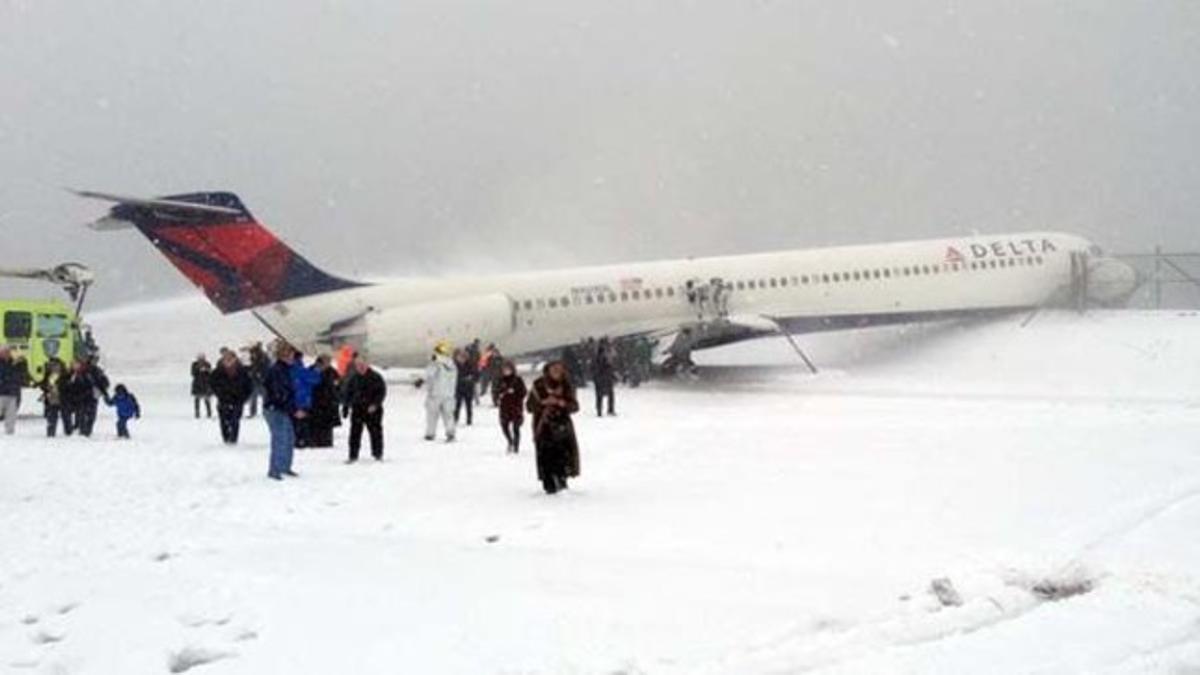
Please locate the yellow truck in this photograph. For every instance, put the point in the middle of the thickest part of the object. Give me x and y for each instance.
(40, 331)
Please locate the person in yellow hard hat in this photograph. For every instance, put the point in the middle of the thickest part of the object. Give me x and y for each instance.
(441, 381)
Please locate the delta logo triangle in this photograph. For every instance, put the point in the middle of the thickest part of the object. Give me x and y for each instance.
(953, 255)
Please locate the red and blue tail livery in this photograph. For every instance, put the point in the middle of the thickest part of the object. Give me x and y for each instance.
(214, 240)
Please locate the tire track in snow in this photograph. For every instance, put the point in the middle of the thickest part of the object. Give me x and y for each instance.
(1134, 522)
(830, 645)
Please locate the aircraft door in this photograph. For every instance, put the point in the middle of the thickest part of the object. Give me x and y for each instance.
(709, 299)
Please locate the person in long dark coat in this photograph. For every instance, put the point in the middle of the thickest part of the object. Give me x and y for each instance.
(324, 405)
(201, 388)
(552, 402)
(233, 386)
(509, 397)
(604, 378)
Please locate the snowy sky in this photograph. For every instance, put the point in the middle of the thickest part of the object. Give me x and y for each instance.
(448, 136)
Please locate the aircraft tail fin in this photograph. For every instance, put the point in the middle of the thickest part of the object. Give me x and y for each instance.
(213, 239)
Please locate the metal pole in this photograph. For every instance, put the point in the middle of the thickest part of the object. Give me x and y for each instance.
(1158, 277)
(807, 361)
(1083, 283)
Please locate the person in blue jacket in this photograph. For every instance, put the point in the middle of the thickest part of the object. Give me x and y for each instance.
(304, 382)
(127, 409)
(279, 410)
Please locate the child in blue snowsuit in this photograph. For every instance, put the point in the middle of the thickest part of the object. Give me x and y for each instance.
(127, 408)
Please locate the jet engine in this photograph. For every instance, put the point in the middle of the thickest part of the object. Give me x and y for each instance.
(405, 335)
(1110, 282)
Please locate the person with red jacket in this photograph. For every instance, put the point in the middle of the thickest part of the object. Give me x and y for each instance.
(509, 397)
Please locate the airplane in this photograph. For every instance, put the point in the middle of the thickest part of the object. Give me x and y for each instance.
(214, 240)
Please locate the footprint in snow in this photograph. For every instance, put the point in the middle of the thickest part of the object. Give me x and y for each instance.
(193, 621)
(191, 657)
(29, 619)
(45, 637)
(67, 608)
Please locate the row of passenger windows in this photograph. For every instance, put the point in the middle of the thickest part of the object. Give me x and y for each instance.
(599, 298)
(784, 282)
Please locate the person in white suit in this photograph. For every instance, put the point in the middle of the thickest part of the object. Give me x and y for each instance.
(440, 382)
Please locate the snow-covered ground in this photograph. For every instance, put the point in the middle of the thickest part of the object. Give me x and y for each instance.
(761, 520)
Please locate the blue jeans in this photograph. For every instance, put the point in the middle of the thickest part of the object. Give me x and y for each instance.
(283, 441)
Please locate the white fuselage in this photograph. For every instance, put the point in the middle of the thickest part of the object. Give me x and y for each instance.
(398, 322)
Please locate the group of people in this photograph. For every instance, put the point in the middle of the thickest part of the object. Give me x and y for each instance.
(449, 385)
(603, 364)
(301, 404)
(70, 396)
(314, 398)
(297, 400)
(626, 360)
(300, 401)
(477, 371)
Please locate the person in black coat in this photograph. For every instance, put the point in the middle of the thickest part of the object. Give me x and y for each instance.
(99, 379)
(259, 363)
(201, 387)
(572, 361)
(232, 385)
(604, 376)
(552, 402)
(79, 397)
(364, 403)
(474, 354)
(73, 392)
(12, 378)
(464, 393)
(279, 411)
(324, 413)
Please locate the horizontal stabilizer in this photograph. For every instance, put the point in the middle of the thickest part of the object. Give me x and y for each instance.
(158, 203)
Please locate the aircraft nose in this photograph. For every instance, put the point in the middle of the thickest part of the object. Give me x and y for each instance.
(1112, 282)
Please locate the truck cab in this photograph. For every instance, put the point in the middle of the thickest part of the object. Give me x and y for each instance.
(39, 331)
